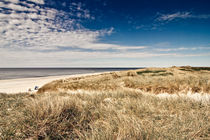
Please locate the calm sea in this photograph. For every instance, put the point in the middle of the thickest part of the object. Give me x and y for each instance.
(15, 73)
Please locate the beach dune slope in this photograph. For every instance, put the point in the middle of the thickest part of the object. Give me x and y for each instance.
(153, 80)
(23, 85)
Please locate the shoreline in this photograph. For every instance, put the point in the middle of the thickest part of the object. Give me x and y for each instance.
(22, 85)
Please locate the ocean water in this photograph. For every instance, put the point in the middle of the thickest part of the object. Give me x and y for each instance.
(15, 73)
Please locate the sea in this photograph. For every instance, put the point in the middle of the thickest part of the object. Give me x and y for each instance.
(16, 73)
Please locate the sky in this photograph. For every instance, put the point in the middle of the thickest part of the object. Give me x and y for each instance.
(104, 33)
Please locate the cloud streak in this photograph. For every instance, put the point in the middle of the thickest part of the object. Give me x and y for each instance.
(180, 15)
(182, 49)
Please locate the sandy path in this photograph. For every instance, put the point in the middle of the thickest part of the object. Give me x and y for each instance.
(12, 86)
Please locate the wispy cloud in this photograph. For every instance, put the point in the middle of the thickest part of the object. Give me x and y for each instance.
(31, 26)
(182, 49)
(77, 58)
(31, 32)
(170, 17)
(179, 15)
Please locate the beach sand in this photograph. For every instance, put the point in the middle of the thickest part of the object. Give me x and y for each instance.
(22, 85)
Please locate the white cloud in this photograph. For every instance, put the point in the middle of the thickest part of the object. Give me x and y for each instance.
(182, 49)
(169, 17)
(13, 1)
(45, 29)
(42, 28)
(37, 1)
(171, 49)
(180, 15)
(35, 34)
(28, 58)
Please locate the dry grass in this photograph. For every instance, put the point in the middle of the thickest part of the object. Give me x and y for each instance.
(115, 107)
(153, 80)
(105, 115)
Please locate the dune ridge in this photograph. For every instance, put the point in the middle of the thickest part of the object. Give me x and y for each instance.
(154, 80)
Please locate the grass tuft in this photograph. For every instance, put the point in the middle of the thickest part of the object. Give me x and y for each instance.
(149, 71)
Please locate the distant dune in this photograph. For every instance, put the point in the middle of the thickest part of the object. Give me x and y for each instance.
(171, 80)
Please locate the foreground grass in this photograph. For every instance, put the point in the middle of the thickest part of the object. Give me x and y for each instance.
(121, 114)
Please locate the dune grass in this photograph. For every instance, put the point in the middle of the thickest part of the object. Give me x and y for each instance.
(153, 80)
(188, 68)
(118, 106)
(105, 115)
(149, 71)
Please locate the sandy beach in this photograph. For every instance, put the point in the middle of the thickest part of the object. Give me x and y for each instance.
(22, 85)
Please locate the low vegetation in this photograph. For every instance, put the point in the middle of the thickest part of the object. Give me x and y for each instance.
(104, 115)
(153, 80)
(149, 71)
(110, 106)
(188, 68)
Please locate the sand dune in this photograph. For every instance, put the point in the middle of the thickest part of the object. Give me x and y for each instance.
(174, 80)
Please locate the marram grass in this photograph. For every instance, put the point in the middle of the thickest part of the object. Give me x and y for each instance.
(113, 106)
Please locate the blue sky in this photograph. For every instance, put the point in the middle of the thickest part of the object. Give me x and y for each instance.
(104, 33)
